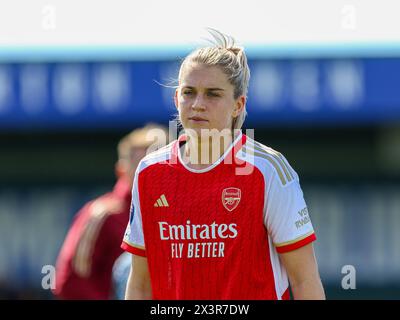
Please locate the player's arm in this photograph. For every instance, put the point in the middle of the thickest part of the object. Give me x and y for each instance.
(302, 270)
(138, 286)
(289, 224)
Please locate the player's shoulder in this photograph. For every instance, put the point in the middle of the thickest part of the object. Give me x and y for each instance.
(269, 161)
(105, 206)
(159, 156)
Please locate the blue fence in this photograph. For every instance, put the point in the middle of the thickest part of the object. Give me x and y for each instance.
(121, 94)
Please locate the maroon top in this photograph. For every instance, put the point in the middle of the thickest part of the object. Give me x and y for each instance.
(84, 265)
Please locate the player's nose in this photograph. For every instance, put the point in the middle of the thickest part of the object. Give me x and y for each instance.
(199, 103)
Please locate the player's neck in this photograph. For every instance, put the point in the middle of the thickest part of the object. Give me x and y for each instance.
(201, 152)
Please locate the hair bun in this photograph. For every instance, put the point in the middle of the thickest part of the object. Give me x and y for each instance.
(235, 50)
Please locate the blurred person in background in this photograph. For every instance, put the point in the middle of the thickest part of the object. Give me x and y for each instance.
(92, 245)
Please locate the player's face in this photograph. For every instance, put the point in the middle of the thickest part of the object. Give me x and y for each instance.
(127, 167)
(205, 98)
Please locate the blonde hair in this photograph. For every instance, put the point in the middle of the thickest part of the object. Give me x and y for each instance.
(139, 138)
(232, 60)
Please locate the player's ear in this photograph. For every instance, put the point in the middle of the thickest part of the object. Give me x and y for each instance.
(176, 98)
(239, 106)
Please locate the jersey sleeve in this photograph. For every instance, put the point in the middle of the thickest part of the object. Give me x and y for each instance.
(286, 215)
(133, 241)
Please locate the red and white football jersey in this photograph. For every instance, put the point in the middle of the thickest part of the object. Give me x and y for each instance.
(216, 233)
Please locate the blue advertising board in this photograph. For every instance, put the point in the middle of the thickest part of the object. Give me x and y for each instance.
(114, 94)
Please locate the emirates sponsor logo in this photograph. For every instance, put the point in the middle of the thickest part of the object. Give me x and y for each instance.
(217, 234)
(231, 198)
(197, 231)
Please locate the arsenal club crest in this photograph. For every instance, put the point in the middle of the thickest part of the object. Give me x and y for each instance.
(231, 198)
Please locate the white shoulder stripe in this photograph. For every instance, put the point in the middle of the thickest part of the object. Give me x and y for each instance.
(273, 159)
(157, 156)
(163, 150)
(251, 152)
(277, 155)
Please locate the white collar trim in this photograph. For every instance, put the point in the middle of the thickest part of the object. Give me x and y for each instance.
(212, 166)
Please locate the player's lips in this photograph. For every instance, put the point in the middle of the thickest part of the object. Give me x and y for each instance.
(197, 119)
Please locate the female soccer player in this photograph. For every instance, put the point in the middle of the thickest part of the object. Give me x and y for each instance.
(215, 214)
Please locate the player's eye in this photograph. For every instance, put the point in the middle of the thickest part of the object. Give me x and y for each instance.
(213, 94)
(187, 92)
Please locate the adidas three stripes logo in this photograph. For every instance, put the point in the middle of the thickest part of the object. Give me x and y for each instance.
(161, 202)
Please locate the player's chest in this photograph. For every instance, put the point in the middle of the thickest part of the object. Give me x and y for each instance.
(220, 195)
